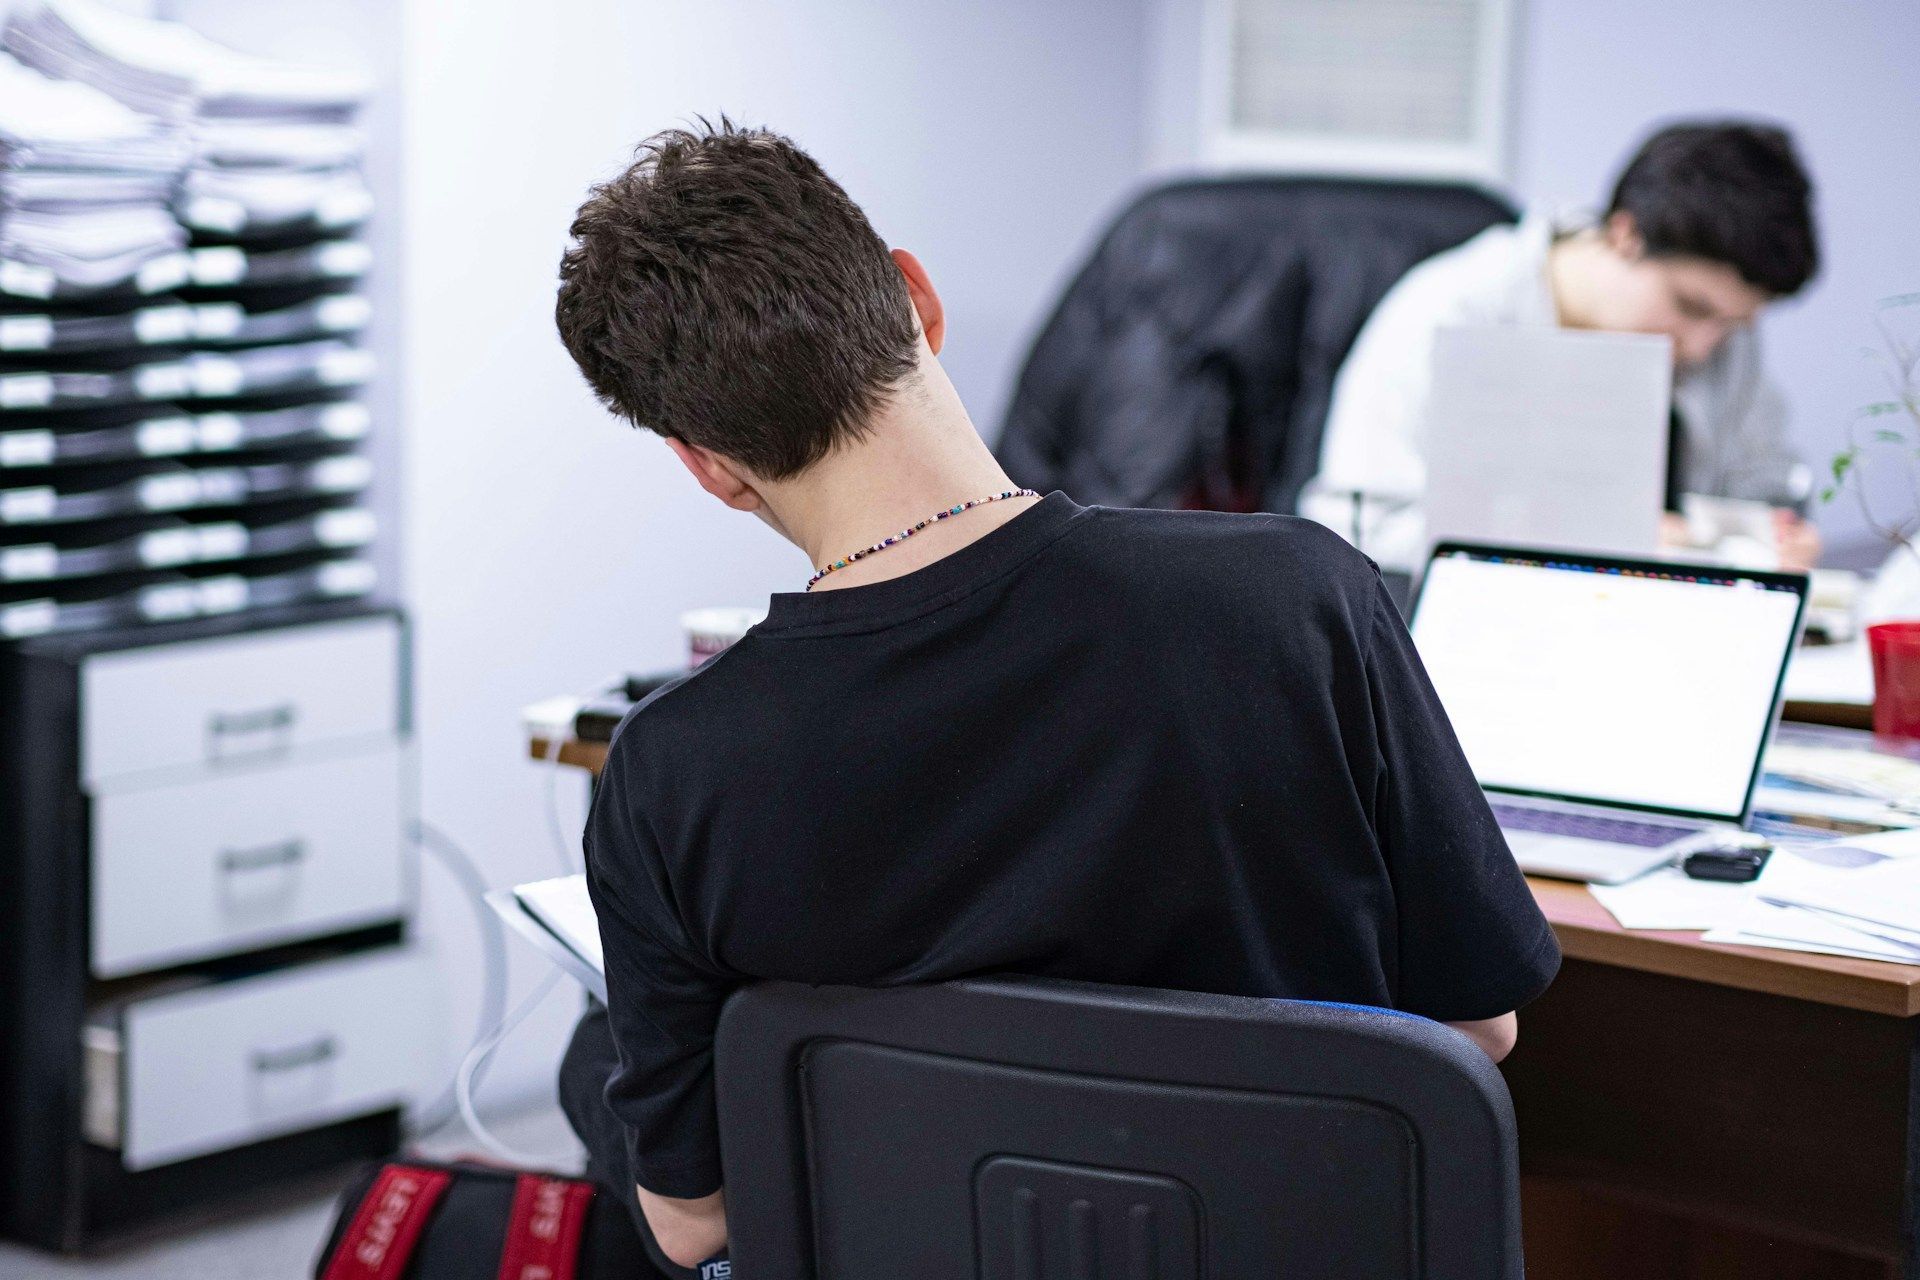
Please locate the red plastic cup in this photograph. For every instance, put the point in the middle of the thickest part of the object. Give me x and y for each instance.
(1895, 647)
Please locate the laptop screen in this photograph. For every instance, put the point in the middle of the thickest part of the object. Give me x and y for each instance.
(1620, 682)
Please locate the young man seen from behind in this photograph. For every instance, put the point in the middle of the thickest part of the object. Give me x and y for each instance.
(1165, 749)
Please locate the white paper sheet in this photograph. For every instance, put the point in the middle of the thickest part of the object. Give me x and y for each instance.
(1670, 899)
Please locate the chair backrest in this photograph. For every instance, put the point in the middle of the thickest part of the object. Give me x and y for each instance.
(1191, 362)
(1032, 1129)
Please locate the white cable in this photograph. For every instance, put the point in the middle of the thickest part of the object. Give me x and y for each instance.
(493, 957)
(570, 861)
(467, 1079)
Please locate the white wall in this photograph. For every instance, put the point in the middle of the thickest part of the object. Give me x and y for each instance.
(549, 547)
(1593, 78)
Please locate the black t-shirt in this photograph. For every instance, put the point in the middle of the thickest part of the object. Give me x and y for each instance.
(1168, 749)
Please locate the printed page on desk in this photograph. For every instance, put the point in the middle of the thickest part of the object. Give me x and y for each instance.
(557, 917)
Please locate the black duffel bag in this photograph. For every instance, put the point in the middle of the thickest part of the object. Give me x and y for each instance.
(418, 1220)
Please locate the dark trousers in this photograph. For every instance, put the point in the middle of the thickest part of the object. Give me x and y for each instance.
(584, 1071)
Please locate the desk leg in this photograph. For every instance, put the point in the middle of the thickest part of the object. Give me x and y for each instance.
(1732, 1124)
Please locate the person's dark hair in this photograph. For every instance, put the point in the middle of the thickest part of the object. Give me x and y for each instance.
(725, 291)
(1729, 192)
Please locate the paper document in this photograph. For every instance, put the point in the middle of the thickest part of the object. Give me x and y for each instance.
(1763, 924)
(557, 917)
(1857, 896)
(1668, 898)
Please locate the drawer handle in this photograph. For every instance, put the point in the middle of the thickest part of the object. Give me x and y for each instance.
(285, 853)
(319, 1050)
(224, 728)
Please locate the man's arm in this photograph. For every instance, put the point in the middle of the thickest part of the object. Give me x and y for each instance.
(1495, 1036)
(1471, 942)
(687, 1231)
(663, 1005)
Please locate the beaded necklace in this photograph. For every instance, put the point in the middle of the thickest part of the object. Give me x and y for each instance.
(904, 534)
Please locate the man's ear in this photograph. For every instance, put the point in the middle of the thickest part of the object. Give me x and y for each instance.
(719, 476)
(926, 303)
(1623, 235)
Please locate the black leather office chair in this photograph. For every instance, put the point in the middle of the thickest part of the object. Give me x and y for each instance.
(1029, 1129)
(1191, 361)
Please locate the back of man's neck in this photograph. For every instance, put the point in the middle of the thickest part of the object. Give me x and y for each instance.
(901, 475)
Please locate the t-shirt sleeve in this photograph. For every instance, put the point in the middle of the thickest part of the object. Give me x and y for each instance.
(1472, 943)
(663, 1002)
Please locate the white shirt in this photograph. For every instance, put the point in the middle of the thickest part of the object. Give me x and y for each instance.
(1374, 445)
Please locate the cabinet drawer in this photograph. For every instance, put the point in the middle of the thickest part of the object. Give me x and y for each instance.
(222, 1065)
(247, 857)
(237, 698)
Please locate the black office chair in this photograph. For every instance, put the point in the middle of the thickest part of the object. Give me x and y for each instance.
(1191, 361)
(1030, 1129)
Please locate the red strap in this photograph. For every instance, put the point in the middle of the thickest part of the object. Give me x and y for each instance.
(386, 1226)
(543, 1235)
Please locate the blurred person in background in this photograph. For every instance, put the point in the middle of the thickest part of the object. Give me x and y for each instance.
(1708, 225)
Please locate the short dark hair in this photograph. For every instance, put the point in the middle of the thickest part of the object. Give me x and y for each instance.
(1731, 192)
(725, 291)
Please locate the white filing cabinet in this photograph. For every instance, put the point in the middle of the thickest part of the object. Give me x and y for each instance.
(214, 982)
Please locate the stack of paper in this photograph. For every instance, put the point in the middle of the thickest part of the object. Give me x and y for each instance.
(168, 69)
(275, 145)
(85, 188)
(1858, 896)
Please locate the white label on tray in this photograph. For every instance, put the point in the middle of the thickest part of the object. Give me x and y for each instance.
(214, 214)
(343, 312)
(157, 325)
(169, 492)
(26, 281)
(167, 547)
(341, 475)
(346, 421)
(162, 274)
(26, 333)
(221, 541)
(343, 258)
(22, 390)
(30, 619)
(342, 208)
(346, 368)
(23, 506)
(222, 264)
(347, 578)
(217, 376)
(218, 320)
(223, 484)
(353, 528)
(26, 448)
(217, 431)
(161, 381)
(164, 437)
(22, 564)
(223, 595)
(162, 604)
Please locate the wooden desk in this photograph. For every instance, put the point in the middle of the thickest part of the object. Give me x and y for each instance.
(1689, 1109)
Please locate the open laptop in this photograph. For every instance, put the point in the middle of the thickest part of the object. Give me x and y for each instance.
(1616, 711)
(1548, 437)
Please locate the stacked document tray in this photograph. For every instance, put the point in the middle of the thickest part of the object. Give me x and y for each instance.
(181, 316)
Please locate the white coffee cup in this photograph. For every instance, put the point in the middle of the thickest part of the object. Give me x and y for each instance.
(710, 631)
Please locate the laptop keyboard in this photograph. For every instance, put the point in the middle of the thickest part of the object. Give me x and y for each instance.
(1587, 826)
